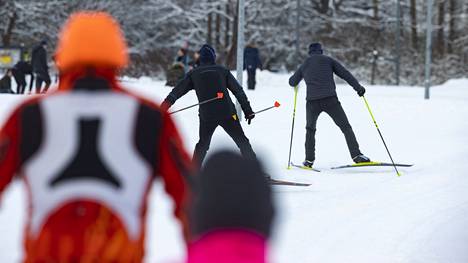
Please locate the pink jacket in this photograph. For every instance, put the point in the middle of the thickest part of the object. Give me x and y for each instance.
(228, 246)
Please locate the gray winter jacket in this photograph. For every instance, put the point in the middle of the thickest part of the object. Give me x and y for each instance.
(317, 71)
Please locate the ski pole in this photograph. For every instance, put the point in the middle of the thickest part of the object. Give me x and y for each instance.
(220, 95)
(292, 129)
(277, 104)
(381, 136)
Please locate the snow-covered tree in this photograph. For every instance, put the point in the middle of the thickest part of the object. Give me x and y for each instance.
(349, 31)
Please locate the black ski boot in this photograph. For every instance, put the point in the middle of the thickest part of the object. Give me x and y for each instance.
(308, 163)
(361, 159)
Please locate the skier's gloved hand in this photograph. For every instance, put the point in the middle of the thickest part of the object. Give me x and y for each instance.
(165, 105)
(249, 117)
(361, 91)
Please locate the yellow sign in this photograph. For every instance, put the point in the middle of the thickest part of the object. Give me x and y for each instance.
(6, 59)
(9, 57)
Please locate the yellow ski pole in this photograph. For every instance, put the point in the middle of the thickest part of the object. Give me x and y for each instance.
(377, 126)
(292, 129)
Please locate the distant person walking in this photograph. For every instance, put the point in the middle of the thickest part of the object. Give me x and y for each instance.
(183, 58)
(179, 68)
(40, 67)
(195, 62)
(317, 71)
(251, 63)
(20, 70)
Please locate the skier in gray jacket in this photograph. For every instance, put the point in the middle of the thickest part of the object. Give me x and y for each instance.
(317, 72)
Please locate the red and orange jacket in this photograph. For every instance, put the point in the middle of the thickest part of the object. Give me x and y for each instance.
(88, 156)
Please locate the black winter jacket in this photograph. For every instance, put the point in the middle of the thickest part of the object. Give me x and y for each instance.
(317, 71)
(207, 81)
(5, 84)
(39, 60)
(252, 58)
(23, 67)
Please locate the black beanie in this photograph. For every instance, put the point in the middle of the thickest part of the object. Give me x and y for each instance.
(233, 192)
(315, 47)
(207, 54)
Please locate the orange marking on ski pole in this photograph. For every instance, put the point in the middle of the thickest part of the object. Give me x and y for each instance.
(220, 95)
(277, 104)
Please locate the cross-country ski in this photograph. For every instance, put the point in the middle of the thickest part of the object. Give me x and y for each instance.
(304, 167)
(370, 164)
(286, 183)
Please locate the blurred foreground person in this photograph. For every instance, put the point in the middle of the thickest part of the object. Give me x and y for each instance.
(90, 152)
(233, 212)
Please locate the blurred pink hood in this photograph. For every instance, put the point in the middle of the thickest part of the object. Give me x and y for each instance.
(228, 246)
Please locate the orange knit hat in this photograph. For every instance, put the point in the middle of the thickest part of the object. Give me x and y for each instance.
(91, 39)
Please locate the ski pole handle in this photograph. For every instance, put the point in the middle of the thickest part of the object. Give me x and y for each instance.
(219, 95)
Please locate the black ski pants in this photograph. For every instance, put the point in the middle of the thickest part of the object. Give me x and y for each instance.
(232, 127)
(331, 106)
(251, 81)
(42, 77)
(20, 79)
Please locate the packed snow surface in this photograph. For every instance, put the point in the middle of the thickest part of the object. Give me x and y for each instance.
(356, 215)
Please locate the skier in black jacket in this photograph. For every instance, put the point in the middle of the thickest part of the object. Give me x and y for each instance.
(40, 67)
(251, 63)
(208, 80)
(317, 71)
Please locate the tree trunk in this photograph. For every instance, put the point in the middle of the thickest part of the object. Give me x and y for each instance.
(209, 38)
(440, 28)
(414, 24)
(6, 38)
(376, 9)
(228, 25)
(376, 25)
(218, 31)
(323, 7)
(451, 32)
(230, 62)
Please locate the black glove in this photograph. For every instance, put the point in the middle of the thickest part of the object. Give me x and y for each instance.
(249, 118)
(361, 91)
